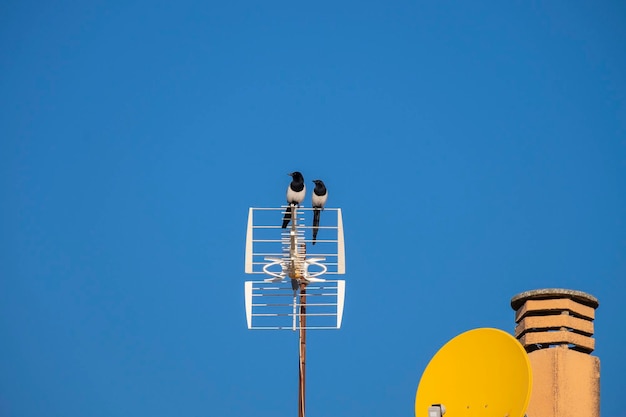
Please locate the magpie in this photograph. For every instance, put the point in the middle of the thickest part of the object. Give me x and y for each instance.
(295, 194)
(319, 196)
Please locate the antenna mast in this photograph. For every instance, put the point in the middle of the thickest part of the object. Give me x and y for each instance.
(302, 352)
(298, 253)
(288, 268)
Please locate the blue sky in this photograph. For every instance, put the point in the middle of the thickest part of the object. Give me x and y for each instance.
(477, 150)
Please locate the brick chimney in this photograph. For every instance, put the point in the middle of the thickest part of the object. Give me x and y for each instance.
(555, 326)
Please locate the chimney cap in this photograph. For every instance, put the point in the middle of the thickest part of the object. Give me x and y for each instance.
(551, 293)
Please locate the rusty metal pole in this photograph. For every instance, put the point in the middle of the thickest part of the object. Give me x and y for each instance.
(297, 272)
(302, 355)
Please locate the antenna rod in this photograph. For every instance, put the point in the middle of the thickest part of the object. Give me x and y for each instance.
(302, 359)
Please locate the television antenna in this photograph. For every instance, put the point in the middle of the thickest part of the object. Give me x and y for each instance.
(294, 295)
(482, 372)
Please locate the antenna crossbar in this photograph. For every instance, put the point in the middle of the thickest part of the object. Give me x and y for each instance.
(288, 305)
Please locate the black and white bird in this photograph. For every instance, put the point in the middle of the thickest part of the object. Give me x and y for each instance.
(318, 200)
(295, 195)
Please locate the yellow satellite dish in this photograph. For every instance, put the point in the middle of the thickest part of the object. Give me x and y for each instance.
(482, 372)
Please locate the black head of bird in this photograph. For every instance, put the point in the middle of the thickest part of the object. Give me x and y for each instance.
(297, 176)
(320, 188)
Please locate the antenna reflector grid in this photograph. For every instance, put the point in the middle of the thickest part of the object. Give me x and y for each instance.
(274, 306)
(267, 241)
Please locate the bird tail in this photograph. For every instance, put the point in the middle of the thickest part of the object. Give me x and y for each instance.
(316, 222)
(287, 217)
